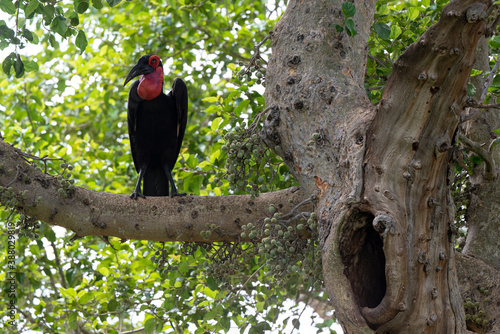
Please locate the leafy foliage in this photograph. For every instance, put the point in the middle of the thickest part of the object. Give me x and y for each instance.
(66, 101)
(397, 25)
(348, 11)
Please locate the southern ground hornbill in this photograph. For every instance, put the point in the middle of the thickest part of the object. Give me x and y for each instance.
(156, 125)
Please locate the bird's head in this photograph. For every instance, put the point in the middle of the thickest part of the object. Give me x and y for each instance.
(146, 64)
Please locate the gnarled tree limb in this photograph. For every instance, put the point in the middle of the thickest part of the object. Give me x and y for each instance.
(88, 212)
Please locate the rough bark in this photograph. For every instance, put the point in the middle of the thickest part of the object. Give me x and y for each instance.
(88, 212)
(483, 239)
(479, 269)
(480, 288)
(385, 209)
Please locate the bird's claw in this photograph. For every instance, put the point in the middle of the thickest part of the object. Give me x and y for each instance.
(173, 194)
(137, 193)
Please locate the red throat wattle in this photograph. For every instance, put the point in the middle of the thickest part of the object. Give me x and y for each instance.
(151, 84)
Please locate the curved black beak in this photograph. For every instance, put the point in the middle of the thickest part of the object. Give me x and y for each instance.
(137, 70)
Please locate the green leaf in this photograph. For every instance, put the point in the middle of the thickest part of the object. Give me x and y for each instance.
(5, 31)
(85, 298)
(50, 235)
(112, 305)
(350, 27)
(149, 325)
(19, 67)
(395, 31)
(475, 72)
(413, 13)
(241, 107)
(31, 7)
(113, 3)
(48, 13)
(70, 292)
(8, 6)
(471, 89)
(28, 35)
(212, 109)
(497, 131)
(339, 28)
(81, 41)
(59, 25)
(225, 323)
(215, 123)
(477, 159)
(82, 7)
(103, 270)
(6, 65)
(348, 9)
(212, 284)
(211, 99)
(74, 20)
(97, 4)
(72, 319)
(382, 30)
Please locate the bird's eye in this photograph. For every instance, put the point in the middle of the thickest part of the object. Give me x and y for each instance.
(153, 61)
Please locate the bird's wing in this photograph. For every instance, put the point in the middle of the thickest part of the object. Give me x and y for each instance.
(134, 102)
(180, 94)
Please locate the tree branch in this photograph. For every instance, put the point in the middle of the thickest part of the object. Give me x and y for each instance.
(490, 172)
(88, 212)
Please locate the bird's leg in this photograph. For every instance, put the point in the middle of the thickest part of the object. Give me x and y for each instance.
(173, 188)
(137, 190)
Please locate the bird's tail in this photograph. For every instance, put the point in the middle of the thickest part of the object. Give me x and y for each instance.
(155, 182)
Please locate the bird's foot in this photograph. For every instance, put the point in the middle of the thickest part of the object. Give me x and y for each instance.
(137, 193)
(173, 194)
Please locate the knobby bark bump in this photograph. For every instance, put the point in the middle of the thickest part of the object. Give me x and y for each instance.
(385, 211)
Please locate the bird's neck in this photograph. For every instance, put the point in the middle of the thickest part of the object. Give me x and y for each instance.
(151, 84)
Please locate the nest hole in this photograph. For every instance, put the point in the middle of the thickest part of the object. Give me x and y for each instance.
(362, 253)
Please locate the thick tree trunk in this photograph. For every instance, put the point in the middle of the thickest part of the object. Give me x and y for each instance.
(386, 216)
(479, 269)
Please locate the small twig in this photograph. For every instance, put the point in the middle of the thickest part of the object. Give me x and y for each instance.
(300, 315)
(311, 198)
(248, 280)
(257, 50)
(486, 106)
(475, 106)
(375, 59)
(256, 120)
(43, 159)
(256, 55)
(471, 115)
(59, 266)
(490, 172)
(15, 177)
(138, 330)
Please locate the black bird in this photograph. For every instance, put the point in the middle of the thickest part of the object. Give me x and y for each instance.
(156, 125)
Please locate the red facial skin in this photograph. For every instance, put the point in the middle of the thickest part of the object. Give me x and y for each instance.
(151, 84)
